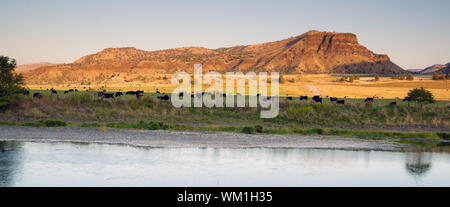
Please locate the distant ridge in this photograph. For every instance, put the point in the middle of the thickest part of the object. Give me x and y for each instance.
(434, 68)
(31, 66)
(311, 52)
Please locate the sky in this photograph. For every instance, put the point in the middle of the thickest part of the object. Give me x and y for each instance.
(414, 33)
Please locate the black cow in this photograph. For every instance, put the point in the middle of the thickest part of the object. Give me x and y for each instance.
(130, 93)
(26, 93)
(315, 97)
(368, 99)
(70, 90)
(224, 95)
(333, 99)
(65, 92)
(76, 90)
(318, 100)
(118, 94)
(393, 103)
(192, 95)
(165, 97)
(108, 95)
(157, 91)
(99, 94)
(303, 98)
(180, 94)
(37, 95)
(289, 97)
(54, 91)
(340, 101)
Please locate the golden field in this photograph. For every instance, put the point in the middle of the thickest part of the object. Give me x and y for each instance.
(296, 85)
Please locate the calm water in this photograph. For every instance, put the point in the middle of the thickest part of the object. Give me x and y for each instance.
(65, 164)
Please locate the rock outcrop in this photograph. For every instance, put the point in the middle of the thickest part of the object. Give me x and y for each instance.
(311, 52)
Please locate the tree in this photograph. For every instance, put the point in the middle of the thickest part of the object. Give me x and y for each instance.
(420, 95)
(410, 77)
(435, 76)
(377, 78)
(282, 79)
(10, 83)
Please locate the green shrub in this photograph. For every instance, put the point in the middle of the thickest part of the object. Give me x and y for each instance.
(444, 135)
(258, 128)
(45, 123)
(53, 123)
(248, 130)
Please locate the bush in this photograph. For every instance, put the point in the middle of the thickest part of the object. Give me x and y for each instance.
(53, 123)
(46, 123)
(444, 135)
(377, 78)
(410, 77)
(248, 130)
(420, 95)
(258, 128)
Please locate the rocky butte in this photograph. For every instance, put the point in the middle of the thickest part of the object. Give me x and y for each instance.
(311, 52)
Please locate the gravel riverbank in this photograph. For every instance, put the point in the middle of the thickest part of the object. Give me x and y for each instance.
(187, 139)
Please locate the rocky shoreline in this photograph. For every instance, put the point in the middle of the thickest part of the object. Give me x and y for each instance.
(189, 139)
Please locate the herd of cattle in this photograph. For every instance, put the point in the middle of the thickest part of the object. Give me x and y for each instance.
(163, 96)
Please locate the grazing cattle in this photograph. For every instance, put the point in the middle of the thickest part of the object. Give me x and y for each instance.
(340, 101)
(318, 100)
(165, 97)
(130, 93)
(37, 95)
(157, 91)
(303, 98)
(118, 94)
(394, 103)
(315, 97)
(108, 95)
(192, 95)
(26, 93)
(368, 99)
(76, 90)
(54, 91)
(181, 94)
(65, 92)
(289, 98)
(70, 90)
(224, 95)
(333, 99)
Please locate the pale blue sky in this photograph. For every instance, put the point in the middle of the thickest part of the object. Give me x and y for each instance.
(414, 33)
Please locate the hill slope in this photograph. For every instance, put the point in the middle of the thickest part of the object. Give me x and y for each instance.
(311, 52)
(31, 66)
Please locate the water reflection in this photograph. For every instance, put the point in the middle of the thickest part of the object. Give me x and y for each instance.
(81, 164)
(10, 156)
(418, 164)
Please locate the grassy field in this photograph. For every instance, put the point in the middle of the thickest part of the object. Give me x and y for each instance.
(87, 107)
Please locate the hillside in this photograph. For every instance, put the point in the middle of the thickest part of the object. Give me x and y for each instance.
(311, 52)
(31, 66)
(434, 68)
